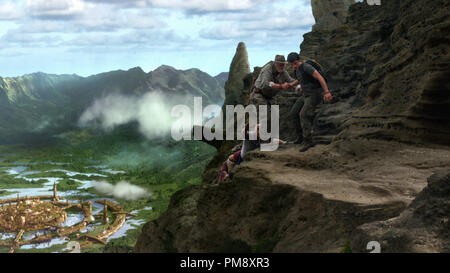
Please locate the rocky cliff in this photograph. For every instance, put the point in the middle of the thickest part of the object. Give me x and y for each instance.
(389, 67)
(329, 14)
(423, 227)
(383, 137)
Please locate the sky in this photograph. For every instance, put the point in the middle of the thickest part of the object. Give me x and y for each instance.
(87, 37)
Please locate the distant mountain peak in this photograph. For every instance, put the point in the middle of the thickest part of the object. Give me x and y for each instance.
(165, 67)
(222, 76)
(40, 74)
(137, 69)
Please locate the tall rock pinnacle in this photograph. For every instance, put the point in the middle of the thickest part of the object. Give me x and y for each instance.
(239, 69)
(329, 14)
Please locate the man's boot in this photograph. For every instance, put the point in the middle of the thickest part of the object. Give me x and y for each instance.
(306, 144)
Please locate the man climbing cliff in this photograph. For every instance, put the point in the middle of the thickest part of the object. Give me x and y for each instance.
(312, 82)
(272, 78)
(247, 145)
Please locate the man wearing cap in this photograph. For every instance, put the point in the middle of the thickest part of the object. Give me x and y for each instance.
(272, 78)
(314, 86)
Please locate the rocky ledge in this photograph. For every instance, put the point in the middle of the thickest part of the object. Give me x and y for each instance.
(285, 201)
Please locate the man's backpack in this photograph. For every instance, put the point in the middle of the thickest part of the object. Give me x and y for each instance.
(316, 66)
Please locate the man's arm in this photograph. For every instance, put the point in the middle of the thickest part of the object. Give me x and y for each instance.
(327, 95)
(295, 83)
(297, 86)
(289, 80)
(288, 77)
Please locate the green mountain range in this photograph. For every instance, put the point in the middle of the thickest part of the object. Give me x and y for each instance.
(36, 106)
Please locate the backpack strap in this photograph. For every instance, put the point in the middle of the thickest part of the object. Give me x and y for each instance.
(316, 66)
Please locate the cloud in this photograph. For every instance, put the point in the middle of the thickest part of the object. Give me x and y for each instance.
(189, 6)
(123, 4)
(10, 10)
(117, 109)
(73, 16)
(39, 26)
(122, 190)
(24, 39)
(267, 24)
(225, 32)
(283, 21)
(54, 9)
(204, 6)
(131, 41)
(107, 18)
(153, 37)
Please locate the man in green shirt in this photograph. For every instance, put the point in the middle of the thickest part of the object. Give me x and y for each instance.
(313, 87)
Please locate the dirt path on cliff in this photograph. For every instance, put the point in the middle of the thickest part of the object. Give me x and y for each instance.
(363, 172)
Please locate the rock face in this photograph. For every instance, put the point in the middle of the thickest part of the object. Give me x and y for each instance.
(386, 134)
(423, 227)
(329, 14)
(389, 72)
